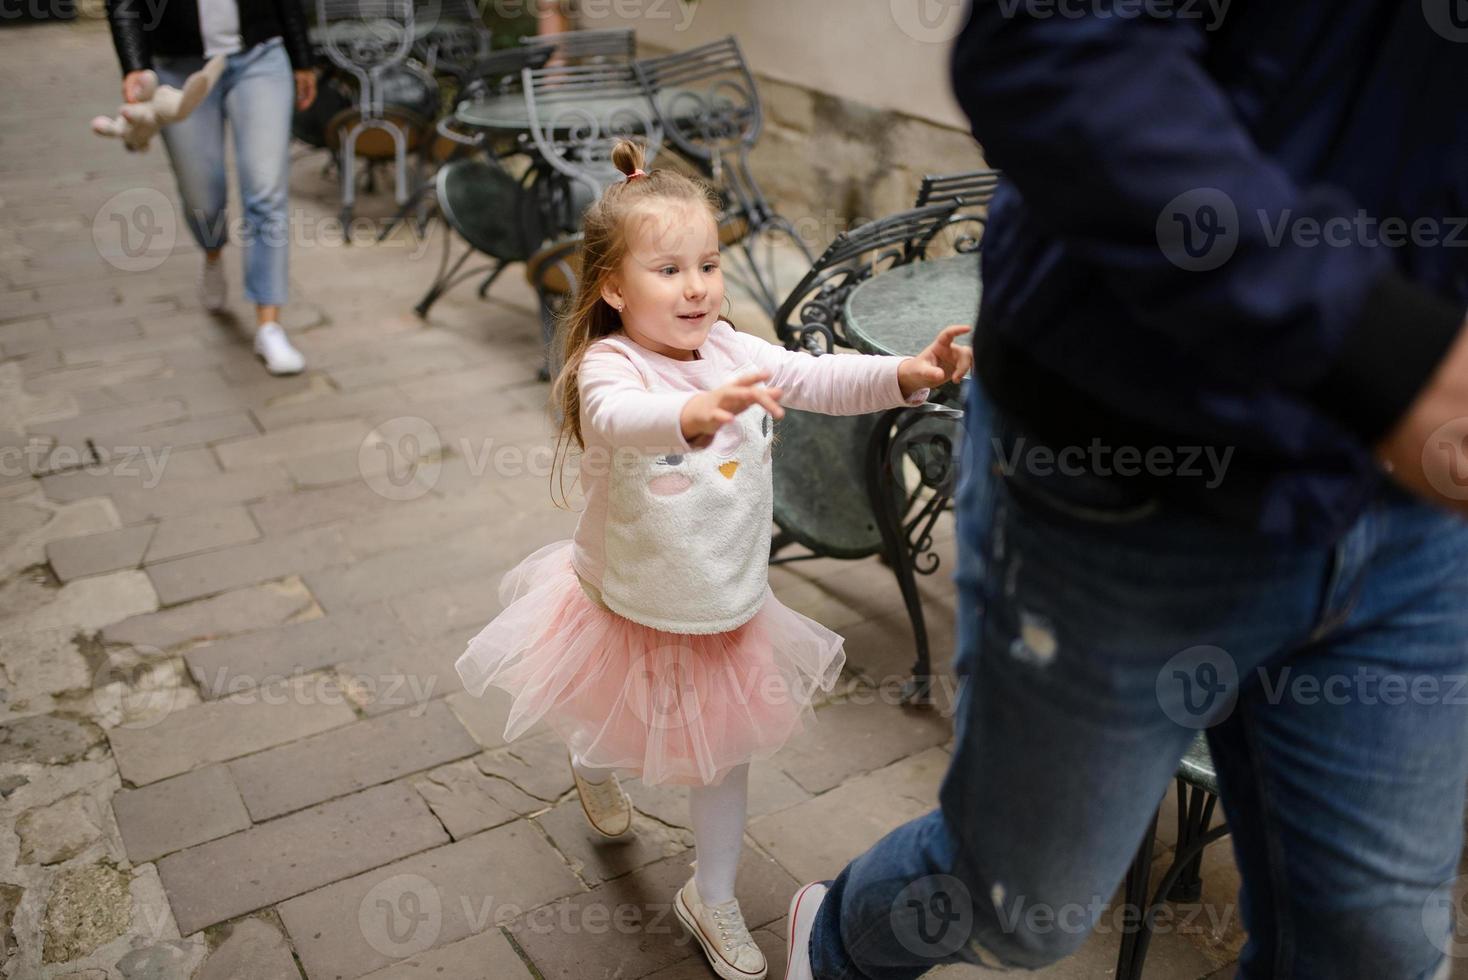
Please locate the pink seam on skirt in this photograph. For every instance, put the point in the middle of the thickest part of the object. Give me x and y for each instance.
(669, 707)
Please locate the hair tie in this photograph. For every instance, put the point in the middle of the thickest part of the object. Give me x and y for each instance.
(639, 172)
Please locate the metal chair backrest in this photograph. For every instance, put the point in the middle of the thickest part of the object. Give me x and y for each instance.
(972, 189)
(366, 37)
(708, 102)
(578, 112)
(613, 45)
(451, 34)
(811, 317)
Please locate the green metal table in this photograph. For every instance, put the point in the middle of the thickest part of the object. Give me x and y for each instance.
(899, 312)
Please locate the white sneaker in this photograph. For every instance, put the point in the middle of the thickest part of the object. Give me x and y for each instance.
(803, 908)
(213, 287)
(272, 346)
(608, 808)
(721, 931)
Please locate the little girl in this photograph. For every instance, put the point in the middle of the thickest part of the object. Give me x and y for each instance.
(650, 641)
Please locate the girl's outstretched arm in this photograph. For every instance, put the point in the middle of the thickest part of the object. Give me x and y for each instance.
(834, 384)
(618, 407)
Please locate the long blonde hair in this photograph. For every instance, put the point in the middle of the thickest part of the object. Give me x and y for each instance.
(604, 244)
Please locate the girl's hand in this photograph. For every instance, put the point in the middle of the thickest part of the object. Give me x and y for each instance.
(708, 411)
(942, 361)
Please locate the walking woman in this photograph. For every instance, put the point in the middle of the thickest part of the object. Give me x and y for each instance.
(268, 67)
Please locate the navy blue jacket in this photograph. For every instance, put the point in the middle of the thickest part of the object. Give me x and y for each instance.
(1192, 244)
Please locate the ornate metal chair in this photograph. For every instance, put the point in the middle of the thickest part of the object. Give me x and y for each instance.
(1197, 796)
(837, 478)
(369, 40)
(710, 109)
(614, 45)
(971, 191)
(577, 113)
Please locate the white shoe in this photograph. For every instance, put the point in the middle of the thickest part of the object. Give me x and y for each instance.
(213, 288)
(272, 346)
(803, 908)
(721, 931)
(608, 808)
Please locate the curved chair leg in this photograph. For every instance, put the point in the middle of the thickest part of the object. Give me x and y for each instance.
(884, 492)
(1134, 943)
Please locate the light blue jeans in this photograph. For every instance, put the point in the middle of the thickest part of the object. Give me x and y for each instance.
(1098, 631)
(255, 96)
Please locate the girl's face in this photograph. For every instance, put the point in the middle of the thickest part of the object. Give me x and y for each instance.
(669, 286)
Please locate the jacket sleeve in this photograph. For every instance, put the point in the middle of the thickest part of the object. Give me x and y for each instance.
(1157, 186)
(617, 406)
(293, 31)
(833, 384)
(125, 17)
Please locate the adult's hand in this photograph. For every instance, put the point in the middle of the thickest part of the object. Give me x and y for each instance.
(1427, 450)
(705, 413)
(132, 86)
(305, 88)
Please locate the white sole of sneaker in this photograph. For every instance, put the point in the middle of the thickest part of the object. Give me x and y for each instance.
(795, 911)
(710, 952)
(279, 374)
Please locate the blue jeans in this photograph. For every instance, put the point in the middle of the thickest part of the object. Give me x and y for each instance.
(255, 96)
(1099, 630)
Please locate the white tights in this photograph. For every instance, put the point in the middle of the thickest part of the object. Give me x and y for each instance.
(718, 814)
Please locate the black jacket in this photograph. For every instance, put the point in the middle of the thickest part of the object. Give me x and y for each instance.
(144, 28)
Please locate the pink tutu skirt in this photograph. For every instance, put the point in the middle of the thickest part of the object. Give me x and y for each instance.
(669, 707)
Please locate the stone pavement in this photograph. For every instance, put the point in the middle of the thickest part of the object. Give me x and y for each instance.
(232, 742)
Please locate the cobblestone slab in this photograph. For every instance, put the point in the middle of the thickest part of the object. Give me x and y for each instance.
(253, 950)
(172, 814)
(256, 607)
(850, 738)
(202, 532)
(293, 855)
(626, 928)
(217, 731)
(487, 955)
(243, 662)
(347, 759)
(183, 579)
(92, 554)
(432, 899)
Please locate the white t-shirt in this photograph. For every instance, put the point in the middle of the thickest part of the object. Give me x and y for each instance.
(219, 24)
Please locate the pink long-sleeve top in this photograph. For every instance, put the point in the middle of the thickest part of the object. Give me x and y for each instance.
(631, 402)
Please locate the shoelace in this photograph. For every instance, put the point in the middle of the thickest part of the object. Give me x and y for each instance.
(605, 795)
(733, 932)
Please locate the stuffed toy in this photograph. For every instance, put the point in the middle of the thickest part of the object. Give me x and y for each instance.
(159, 105)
